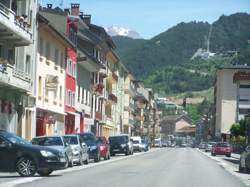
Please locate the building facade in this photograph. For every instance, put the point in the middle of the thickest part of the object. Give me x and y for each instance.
(232, 98)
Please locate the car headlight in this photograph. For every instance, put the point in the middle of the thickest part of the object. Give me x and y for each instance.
(46, 153)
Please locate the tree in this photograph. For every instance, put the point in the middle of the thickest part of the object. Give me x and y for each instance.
(239, 128)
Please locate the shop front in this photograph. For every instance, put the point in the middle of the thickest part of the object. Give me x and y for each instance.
(49, 123)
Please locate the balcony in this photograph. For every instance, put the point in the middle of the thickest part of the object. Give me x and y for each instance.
(98, 88)
(113, 98)
(12, 77)
(129, 89)
(13, 29)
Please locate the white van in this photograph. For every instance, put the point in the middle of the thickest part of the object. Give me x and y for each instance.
(137, 143)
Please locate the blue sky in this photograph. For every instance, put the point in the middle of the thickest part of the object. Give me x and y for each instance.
(151, 17)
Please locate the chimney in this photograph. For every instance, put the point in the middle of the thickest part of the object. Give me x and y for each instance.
(49, 6)
(87, 19)
(75, 9)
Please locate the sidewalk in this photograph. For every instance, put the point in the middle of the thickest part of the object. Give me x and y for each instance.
(235, 155)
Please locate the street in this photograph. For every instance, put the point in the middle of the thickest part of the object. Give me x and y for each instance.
(175, 167)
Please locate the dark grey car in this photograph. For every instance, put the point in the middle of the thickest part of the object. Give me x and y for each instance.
(58, 143)
(244, 165)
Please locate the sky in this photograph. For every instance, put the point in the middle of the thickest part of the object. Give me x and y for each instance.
(151, 17)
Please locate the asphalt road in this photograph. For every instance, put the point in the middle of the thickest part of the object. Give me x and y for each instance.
(179, 167)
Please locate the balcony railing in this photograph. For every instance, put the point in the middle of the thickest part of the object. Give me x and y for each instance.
(15, 26)
(13, 77)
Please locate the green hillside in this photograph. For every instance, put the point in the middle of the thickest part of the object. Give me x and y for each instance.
(164, 61)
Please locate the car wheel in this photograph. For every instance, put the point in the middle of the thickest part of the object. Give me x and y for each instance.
(71, 163)
(127, 153)
(44, 173)
(228, 155)
(26, 167)
(67, 161)
(86, 162)
(112, 154)
(80, 160)
(97, 158)
(213, 154)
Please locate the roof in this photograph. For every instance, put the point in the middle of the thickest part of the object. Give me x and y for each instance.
(41, 18)
(235, 67)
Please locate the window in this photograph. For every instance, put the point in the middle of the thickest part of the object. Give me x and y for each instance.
(73, 99)
(74, 70)
(82, 96)
(244, 86)
(60, 93)
(27, 64)
(41, 46)
(40, 86)
(48, 50)
(55, 94)
(69, 67)
(56, 56)
(69, 98)
(78, 94)
(244, 111)
(86, 97)
(62, 60)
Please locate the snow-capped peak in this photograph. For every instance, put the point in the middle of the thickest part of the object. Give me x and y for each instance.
(120, 31)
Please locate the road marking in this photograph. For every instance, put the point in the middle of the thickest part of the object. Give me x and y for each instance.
(78, 168)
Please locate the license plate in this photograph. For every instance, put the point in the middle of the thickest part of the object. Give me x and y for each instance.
(62, 160)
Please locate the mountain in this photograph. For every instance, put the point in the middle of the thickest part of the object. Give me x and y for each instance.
(120, 31)
(165, 59)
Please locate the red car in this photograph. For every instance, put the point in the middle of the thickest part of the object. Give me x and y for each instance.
(221, 148)
(104, 147)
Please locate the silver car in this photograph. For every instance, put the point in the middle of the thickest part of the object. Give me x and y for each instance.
(80, 150)
(58, 143)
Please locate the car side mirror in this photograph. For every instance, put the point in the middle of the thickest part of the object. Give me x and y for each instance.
(83, 144)
(66, 144)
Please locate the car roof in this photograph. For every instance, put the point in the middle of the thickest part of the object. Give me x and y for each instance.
(56, 136)
(120, 135)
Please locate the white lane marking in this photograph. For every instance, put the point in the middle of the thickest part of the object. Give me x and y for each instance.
(91, 165)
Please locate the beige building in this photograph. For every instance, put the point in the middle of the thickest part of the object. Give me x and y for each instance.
(232, 97)
(50, 97)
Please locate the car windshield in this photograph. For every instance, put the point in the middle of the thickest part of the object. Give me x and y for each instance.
(135, 141)
(88, 138)
(72, 140)
(48, 141)
(119, 139)
(15, 139)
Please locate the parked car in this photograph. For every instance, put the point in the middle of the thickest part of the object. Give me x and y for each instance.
(244, 165)
(221, 148)
(19, 155)
(137, 143)
(93, 145)
(120, 144)
(208, 146)
(58, 143)
(145, 145)
(202, 145)
(104, 147)
(80, 150)
(157, 142)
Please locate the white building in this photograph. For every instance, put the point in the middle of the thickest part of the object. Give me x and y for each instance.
(232, 97)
